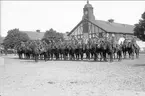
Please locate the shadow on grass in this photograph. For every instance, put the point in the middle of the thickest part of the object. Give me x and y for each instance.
(42, 61)
(139, 65)
(59, 60)
(29, 61)
(84, 60)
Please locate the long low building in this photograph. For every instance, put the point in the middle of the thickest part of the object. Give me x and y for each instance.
(34, 35)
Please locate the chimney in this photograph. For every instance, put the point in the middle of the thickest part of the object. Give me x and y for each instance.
(111, 20)
(38, 31)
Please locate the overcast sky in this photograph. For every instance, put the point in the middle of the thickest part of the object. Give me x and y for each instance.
(63, 16)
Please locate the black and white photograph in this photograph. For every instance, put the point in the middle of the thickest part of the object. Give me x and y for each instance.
(72, 48)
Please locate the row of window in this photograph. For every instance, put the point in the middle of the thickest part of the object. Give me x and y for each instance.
(100, 35)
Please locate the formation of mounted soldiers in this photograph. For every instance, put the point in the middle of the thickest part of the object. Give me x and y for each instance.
(96, 49)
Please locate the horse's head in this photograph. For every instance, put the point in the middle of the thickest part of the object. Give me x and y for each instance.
(103, 45)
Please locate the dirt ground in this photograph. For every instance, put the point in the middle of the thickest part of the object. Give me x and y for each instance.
(71, 78)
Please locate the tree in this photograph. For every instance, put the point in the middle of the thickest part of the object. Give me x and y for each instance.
(139, 29)
(14, 37)
(52, 35)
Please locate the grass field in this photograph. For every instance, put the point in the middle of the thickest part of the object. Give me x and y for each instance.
(71, 78)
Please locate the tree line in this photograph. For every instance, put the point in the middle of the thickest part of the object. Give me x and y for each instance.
(139, 29)
(15, 37)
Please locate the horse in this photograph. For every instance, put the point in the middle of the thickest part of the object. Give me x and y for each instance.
(125, 48)
(87, 51)
(133, 48)
(119, 51)
(107, 49)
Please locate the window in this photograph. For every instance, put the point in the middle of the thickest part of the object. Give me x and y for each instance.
(100, 35)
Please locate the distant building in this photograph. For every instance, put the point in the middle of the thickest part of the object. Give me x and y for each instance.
(37, 35)
(89, 27)
(34, 35)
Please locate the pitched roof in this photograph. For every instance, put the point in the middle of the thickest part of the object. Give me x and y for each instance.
(34, 35)
(87, 5)
(115, 27)
(110, 27)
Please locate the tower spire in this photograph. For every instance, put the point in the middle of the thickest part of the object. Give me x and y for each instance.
(87, 1)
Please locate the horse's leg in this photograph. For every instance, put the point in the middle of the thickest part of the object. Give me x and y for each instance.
(120, 55)
(82, 55)
(36, 58)
(133, 51)
(137, 53)
(129, 53)
(114, 53)
(45, 57)
(61, 56)
(101, 56)
(92, 55)
(95, 57)
(124, 54)
(78, 55)
(104, 56)
(64, 55)
(111, 56)
(19, 55)
(88, 55)
(111, 59)
(75, 56)
(51, 56)
(117, 56)
(132, 55)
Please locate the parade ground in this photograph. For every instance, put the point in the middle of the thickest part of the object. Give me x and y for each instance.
(71, 78)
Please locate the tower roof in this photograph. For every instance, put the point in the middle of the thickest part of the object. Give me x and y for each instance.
(87, 5)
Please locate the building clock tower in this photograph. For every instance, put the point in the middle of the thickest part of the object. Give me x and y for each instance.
(87, 14)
